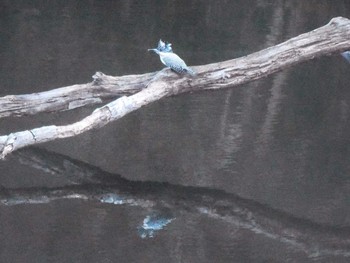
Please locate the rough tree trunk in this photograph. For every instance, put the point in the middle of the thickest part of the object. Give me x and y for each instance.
(147, 88)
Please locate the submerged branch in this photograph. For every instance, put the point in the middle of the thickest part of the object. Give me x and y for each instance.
(148, 88)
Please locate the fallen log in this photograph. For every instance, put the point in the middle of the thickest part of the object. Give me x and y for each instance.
(147, 88)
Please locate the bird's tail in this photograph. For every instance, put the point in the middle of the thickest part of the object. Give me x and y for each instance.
(190, 71)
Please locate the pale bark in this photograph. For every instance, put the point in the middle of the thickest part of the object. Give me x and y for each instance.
(150, 87)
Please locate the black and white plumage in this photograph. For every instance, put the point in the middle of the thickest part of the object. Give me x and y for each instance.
(170, 59)
(164, 46)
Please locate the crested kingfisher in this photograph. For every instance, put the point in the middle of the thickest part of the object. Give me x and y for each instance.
(164, 46)
(170, 59)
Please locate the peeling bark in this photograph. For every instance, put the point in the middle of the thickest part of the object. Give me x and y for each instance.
(147, 88)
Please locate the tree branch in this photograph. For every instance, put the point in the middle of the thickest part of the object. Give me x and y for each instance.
(150, 87)
(67, 98)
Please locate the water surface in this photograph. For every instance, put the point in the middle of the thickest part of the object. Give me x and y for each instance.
(257, 173)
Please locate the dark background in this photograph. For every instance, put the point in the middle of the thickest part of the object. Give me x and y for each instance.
(282, 141)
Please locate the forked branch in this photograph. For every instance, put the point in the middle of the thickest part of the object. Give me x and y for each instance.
(147, 88)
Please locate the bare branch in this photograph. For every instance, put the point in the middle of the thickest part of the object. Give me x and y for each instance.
(67, 98)
(333, 37)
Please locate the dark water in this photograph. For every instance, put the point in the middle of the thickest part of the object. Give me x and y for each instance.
(257, 173)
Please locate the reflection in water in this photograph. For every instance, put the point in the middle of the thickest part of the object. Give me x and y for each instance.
(154, 222)
(282, 141)
(112, 199)
(266, 132)
(166, 201)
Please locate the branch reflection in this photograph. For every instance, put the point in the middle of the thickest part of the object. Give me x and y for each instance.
(91, 183)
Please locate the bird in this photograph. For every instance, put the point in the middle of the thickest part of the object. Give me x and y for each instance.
(164, 46)
(346, 55)
(170, 59)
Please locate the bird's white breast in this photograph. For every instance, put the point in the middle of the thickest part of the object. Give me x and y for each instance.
(172, 58)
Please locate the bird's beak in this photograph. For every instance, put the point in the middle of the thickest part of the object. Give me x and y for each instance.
(152, 49)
